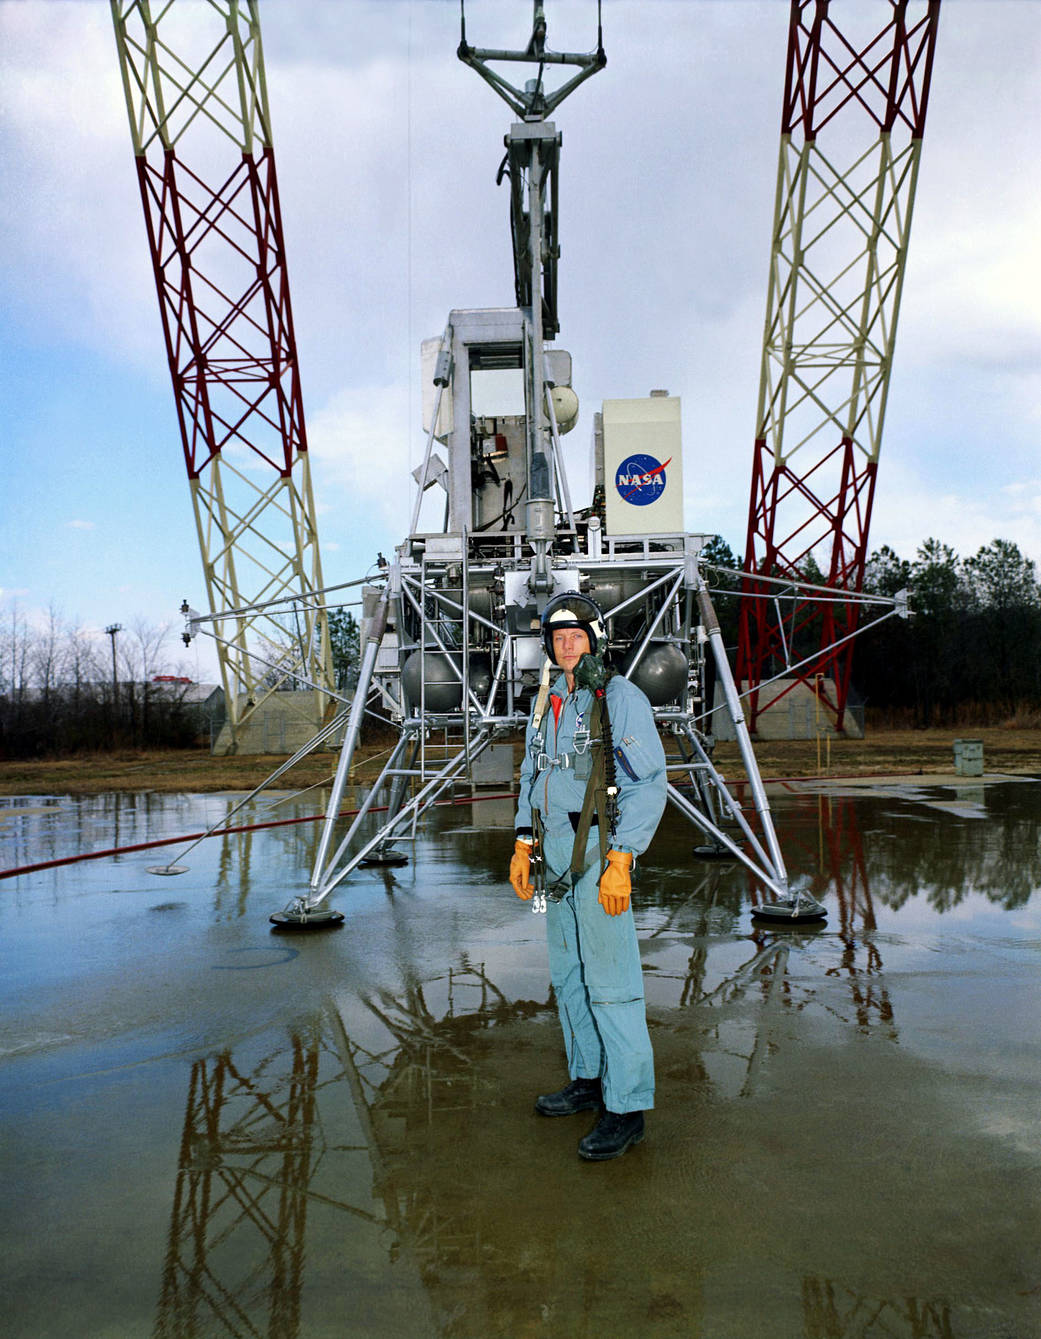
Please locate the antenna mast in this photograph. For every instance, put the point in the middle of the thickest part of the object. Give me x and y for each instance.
(531, 163)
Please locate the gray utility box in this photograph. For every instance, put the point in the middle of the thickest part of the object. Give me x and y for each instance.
(494, 767)
(968, 757)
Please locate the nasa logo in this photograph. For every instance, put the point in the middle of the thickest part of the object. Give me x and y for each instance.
(640, 480)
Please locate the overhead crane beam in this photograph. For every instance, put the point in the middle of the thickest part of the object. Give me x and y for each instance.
(851, 142)
(194, 76)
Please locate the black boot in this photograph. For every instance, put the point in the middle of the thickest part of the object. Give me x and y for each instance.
(579, 1095)
(612, 1135)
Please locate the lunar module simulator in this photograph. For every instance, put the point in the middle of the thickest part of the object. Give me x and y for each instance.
(451, 644)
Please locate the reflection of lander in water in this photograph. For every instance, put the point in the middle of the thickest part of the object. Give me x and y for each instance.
(842, 869)
(831, 1311)
(825, 838)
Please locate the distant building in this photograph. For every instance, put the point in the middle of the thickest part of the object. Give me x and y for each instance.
(203, 701)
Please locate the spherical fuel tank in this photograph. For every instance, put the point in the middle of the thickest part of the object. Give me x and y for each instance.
(444, 691)
(565, 408)
(661, 673)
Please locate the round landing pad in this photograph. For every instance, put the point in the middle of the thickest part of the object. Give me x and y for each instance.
(322, 918)
(167, 869)
(790, 913)
(383, 860)
(713, 853)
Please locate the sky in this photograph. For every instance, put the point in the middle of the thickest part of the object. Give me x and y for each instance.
(387, 149)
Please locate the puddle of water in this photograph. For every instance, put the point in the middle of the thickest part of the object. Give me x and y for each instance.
(210, 1129)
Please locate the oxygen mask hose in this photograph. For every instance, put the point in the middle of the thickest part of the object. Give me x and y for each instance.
(592, 673)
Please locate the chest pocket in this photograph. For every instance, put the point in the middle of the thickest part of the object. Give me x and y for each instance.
(633, 758)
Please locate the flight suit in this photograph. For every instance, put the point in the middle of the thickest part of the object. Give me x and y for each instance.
(594, 959)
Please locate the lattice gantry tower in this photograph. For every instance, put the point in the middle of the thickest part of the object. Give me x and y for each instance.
(851, 141)
(194, 83)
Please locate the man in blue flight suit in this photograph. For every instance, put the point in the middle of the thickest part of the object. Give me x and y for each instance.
(594, 957)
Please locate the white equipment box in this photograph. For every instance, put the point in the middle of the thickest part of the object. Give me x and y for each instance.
(643, 466)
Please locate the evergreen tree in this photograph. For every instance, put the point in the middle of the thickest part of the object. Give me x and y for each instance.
(1001, 578)
(724, 583)
(885, 573)
(345, 644)
(1006, 626)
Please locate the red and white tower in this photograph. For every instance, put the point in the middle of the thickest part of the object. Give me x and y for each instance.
(194, 83)
(851, 142)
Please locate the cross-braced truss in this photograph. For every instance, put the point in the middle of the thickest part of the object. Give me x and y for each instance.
(454, 685)
(841, 226)
(196, 77)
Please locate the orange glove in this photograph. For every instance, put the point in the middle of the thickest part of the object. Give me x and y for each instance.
(615, 883)
(520, 869)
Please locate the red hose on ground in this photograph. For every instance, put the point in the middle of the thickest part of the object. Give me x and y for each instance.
(221, 832)
(314, 818)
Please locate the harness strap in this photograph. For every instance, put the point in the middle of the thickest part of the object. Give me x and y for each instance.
(595, 796)
(539, 710)
(538, 860)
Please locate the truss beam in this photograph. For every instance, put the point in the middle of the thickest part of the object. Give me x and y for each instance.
(195, 89)
(851, 137)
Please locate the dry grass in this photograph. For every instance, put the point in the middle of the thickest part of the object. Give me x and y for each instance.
(1007, 748)
(892, 752)
(181, 770)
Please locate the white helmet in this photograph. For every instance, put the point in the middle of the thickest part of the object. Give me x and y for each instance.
(572, 610)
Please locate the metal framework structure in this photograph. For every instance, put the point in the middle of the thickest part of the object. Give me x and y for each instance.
(851, 141)
(451, 648)
(194, 80)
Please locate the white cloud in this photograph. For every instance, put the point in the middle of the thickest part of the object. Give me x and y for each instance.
(361, 461)
(76, 259)
(913, 507)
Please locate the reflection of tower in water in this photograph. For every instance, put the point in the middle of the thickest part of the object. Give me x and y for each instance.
(292, 1134)
(783, 966)
(249, 1152)
(826, 848)
(842, 855)
(831, 1311)
(354, 1150)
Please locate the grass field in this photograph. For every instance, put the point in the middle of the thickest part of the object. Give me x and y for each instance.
(883, 752)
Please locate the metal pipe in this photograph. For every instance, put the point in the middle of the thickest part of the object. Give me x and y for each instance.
(641, 594)
(440, 382)
(444, 651)
(711, 625)
(465, 593)
(764, 683)
(729, 803)
(710, 829)
(442, 598)
(423, 799)
(368, 662)
(558, 464)
(654, 626)
(367, 803)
